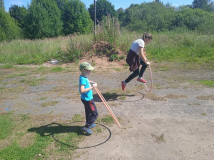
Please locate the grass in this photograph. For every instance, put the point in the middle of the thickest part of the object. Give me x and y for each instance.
(32, 81)
(57, 69)
(6, 125)
(159, 139)
(31, 51)
(77, 118)
(186, 47)
(203, 114)
(6, 66)
(169, 46)
(174, 96)
(15, 129)
(49, 103)
(206, 97)
(107, 119)
(208, 83)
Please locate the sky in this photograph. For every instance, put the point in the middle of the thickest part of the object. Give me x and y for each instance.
(117, 3)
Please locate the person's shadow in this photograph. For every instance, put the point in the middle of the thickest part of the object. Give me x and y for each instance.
(117, 97)
(111, 96)
(56, 128)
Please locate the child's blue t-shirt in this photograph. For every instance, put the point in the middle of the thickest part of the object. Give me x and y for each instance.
(87, 96)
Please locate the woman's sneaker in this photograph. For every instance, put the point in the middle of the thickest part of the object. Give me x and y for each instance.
(123, 86)
(92, 126)
(141, 80)
(87, 130)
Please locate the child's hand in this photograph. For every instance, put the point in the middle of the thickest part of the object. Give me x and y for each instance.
(94, 85)
(148, 63)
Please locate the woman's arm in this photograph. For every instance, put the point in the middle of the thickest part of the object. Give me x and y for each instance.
(143, 56)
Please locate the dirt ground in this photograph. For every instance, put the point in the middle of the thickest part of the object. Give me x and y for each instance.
(173, 122)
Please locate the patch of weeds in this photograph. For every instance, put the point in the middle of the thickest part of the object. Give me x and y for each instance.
(43, 98)
(203, 114)
(159, 139)
(49, 103)
(210, 97)
(57, 69)
(2, 88)
(6, 66)
(117, 69)
(93, 64)
(6, 93)
(22, 74)
(173, 96)
(24, 117)
(208, 83)
(14, 75)
(98, 129)
(107, 119)
(122, 98)
(15, 151)
(154, 97)
(6, 125)
(32, 81)
(114, 57)
(77, 118)
(42, 70)
(121, 57)
(163, 69)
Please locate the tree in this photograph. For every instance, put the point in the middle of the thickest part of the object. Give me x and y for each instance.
(196, 19)
(103, 8)
(60, 3)
(8, 28)
(43, 19)
(121, 14)
(2, 4)
(206, 5)
(154, 16)
(19, 14)
(76, 18)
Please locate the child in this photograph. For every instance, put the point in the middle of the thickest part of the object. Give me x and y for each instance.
(85, 89)
(136, 57)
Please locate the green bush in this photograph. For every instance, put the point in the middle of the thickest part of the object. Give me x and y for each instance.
(8, 28)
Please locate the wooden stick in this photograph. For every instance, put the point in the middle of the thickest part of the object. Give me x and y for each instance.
(108, 107)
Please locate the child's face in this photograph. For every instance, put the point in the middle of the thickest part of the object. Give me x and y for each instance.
(86, 72)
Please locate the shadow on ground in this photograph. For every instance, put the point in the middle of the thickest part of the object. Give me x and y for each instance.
(111, 96)
(55, 128)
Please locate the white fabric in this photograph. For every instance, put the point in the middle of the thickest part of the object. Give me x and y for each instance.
(136, 45)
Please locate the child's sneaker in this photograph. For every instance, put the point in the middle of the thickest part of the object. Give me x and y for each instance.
(123, 86)
(92, 126)
(87, 130)
(141, 80)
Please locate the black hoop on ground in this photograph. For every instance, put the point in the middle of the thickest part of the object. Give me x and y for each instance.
(134, 100)
(77, 147)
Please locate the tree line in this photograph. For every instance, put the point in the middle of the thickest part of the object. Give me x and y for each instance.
(52, 18)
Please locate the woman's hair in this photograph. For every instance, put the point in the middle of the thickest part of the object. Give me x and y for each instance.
(147, 36)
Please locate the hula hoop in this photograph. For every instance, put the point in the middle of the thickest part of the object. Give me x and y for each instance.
(150, 89)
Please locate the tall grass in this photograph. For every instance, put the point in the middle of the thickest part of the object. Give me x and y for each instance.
(189, 47)
(169, 46)
(76, 48)
(31, 51)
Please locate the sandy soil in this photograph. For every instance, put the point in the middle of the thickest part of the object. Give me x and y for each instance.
(174, 122)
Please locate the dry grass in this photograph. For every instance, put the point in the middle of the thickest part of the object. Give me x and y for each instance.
(49, 103)
(174, 96)
(154, 97)
(202, 97)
